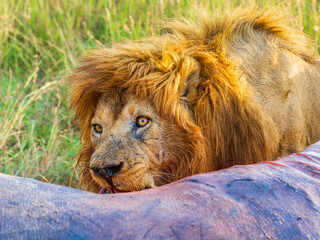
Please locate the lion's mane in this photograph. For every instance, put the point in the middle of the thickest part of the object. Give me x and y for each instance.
(189, 78)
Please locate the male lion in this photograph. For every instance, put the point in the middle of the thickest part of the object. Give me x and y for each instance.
(208, 94)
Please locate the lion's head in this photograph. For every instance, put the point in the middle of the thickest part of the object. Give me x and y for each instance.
(163, 108)
(134, 147)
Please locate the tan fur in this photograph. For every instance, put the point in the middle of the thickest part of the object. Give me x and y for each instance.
(234, 89)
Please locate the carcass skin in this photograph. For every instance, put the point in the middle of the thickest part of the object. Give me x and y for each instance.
(268, 200)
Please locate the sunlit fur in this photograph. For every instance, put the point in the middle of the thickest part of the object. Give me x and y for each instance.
(239, 87)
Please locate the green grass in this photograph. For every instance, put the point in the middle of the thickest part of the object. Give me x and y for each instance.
(40, 41)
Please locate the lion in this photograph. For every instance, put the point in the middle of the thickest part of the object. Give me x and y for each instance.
(218, 91)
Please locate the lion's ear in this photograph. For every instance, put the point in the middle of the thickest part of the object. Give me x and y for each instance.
(193, 77)
(236, 128)
(191, 83)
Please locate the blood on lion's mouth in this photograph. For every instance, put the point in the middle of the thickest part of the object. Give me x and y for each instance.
(108, 179)
(116, 190)
(112, 190)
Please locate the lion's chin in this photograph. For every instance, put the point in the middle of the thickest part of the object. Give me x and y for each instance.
(116, 190)
(112, 190)
(119, 185)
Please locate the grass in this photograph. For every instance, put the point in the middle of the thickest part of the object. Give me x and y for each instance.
(40, 41)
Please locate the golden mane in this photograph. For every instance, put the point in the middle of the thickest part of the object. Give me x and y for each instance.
(189, 65)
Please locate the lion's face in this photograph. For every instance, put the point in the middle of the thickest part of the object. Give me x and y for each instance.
(128, 143)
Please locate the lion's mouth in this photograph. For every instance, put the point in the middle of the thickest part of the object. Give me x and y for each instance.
(112, 189)
(108, 179)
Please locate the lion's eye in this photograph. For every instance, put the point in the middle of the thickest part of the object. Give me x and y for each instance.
(142, 121)
(97, 128)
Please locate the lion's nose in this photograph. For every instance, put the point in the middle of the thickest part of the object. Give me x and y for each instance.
(108, 171)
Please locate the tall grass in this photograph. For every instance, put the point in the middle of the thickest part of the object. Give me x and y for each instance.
(41, 40)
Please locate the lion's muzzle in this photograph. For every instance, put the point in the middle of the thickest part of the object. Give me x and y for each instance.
(108, 172)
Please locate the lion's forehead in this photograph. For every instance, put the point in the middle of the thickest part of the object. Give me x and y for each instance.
(111, 113)
(121, 138)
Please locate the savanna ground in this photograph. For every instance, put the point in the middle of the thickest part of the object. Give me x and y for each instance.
(42, 40)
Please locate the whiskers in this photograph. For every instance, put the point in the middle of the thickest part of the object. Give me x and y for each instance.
(162, 178)
(138, 184)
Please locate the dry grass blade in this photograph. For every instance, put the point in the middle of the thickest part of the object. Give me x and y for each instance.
(7, 128)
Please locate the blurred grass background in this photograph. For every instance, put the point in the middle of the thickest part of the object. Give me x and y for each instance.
(40, 42)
